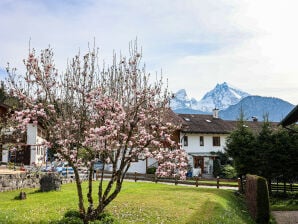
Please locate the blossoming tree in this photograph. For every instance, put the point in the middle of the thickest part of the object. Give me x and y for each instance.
(113, 115)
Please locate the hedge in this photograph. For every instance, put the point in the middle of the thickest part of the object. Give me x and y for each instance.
(257, 198)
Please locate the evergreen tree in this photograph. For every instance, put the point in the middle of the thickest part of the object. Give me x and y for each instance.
(240, 146)
(265, 152)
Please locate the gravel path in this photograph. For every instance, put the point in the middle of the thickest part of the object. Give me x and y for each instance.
(286, 217)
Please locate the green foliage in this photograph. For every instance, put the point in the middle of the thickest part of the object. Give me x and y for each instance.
(151, 170)
(106, 218)
(216, 168)
(257, 198)
(284, 202)
(241, 147)
(72, 213)
(228, 171)
(71, 220)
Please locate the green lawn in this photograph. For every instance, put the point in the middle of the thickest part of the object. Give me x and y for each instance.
(288, 202)
(137, 203)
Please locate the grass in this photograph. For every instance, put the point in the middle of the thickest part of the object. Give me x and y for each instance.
(137, 203)
(281, 202)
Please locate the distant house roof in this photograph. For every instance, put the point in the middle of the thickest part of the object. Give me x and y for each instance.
(202, 123)
(207, 124)
(173, 118)
(255, 126)
(291, 118)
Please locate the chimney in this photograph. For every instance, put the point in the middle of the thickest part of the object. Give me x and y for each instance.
(254, 118)
(215, 112)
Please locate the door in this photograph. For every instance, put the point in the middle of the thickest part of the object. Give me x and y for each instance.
(198, 162)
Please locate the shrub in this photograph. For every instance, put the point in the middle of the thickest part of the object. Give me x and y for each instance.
(50, 182)
(228, 171)
(257, 198)
(71, 220)
(106, 218)
(151, 170)
(72, 213)
(216, 168)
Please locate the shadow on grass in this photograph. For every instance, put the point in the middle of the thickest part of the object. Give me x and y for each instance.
(214, 211)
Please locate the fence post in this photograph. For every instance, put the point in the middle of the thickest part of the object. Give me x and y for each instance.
(176, 181)
(155, 178)
(197, 181)
(239, 184)
(135, 176)
(96, 174)
(217, 181)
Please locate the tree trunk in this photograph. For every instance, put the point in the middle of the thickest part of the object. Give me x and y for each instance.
(80, 192)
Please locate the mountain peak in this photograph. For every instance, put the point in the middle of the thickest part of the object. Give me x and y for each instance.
(222, 96)
(228, 100)
(181, 94)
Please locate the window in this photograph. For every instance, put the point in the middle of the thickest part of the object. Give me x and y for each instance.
(216, 141)
(201, 140)
(185, 140)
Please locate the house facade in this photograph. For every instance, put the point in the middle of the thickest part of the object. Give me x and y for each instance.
(201, 136)
(22, 148)
(29, 150)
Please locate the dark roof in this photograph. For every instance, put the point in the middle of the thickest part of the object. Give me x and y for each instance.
(172, 117)
(255, 126)
(291, 118)
(203, 123)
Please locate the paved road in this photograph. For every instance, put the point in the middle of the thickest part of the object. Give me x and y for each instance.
(286, 217)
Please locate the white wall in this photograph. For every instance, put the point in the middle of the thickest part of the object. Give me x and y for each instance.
(140, 166)
(37, 153)
(5, 156)
(194, 143)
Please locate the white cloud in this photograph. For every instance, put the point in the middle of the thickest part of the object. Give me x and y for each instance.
(251, 44)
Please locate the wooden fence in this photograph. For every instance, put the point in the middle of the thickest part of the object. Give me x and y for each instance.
(281, 187)
(277, 187)
(196, 181)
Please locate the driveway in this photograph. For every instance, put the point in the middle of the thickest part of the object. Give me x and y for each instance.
(286, 217)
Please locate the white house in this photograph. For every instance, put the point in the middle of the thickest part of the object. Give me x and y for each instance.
(29, 150)
(201, 135)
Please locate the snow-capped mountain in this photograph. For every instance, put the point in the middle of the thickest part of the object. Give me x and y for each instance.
(229, 100)
(221, 97)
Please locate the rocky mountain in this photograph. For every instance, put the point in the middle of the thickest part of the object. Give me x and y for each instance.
(221, 97)
(229, 100)
(258, 106)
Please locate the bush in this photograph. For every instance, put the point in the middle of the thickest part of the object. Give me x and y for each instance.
(71, 220)
(216, 168)
(228, 171)
(50, 182)
(257, 198)
(151, 170)
(106, 218)
(72, 213)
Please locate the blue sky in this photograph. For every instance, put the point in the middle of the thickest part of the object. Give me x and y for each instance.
(251, 44)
